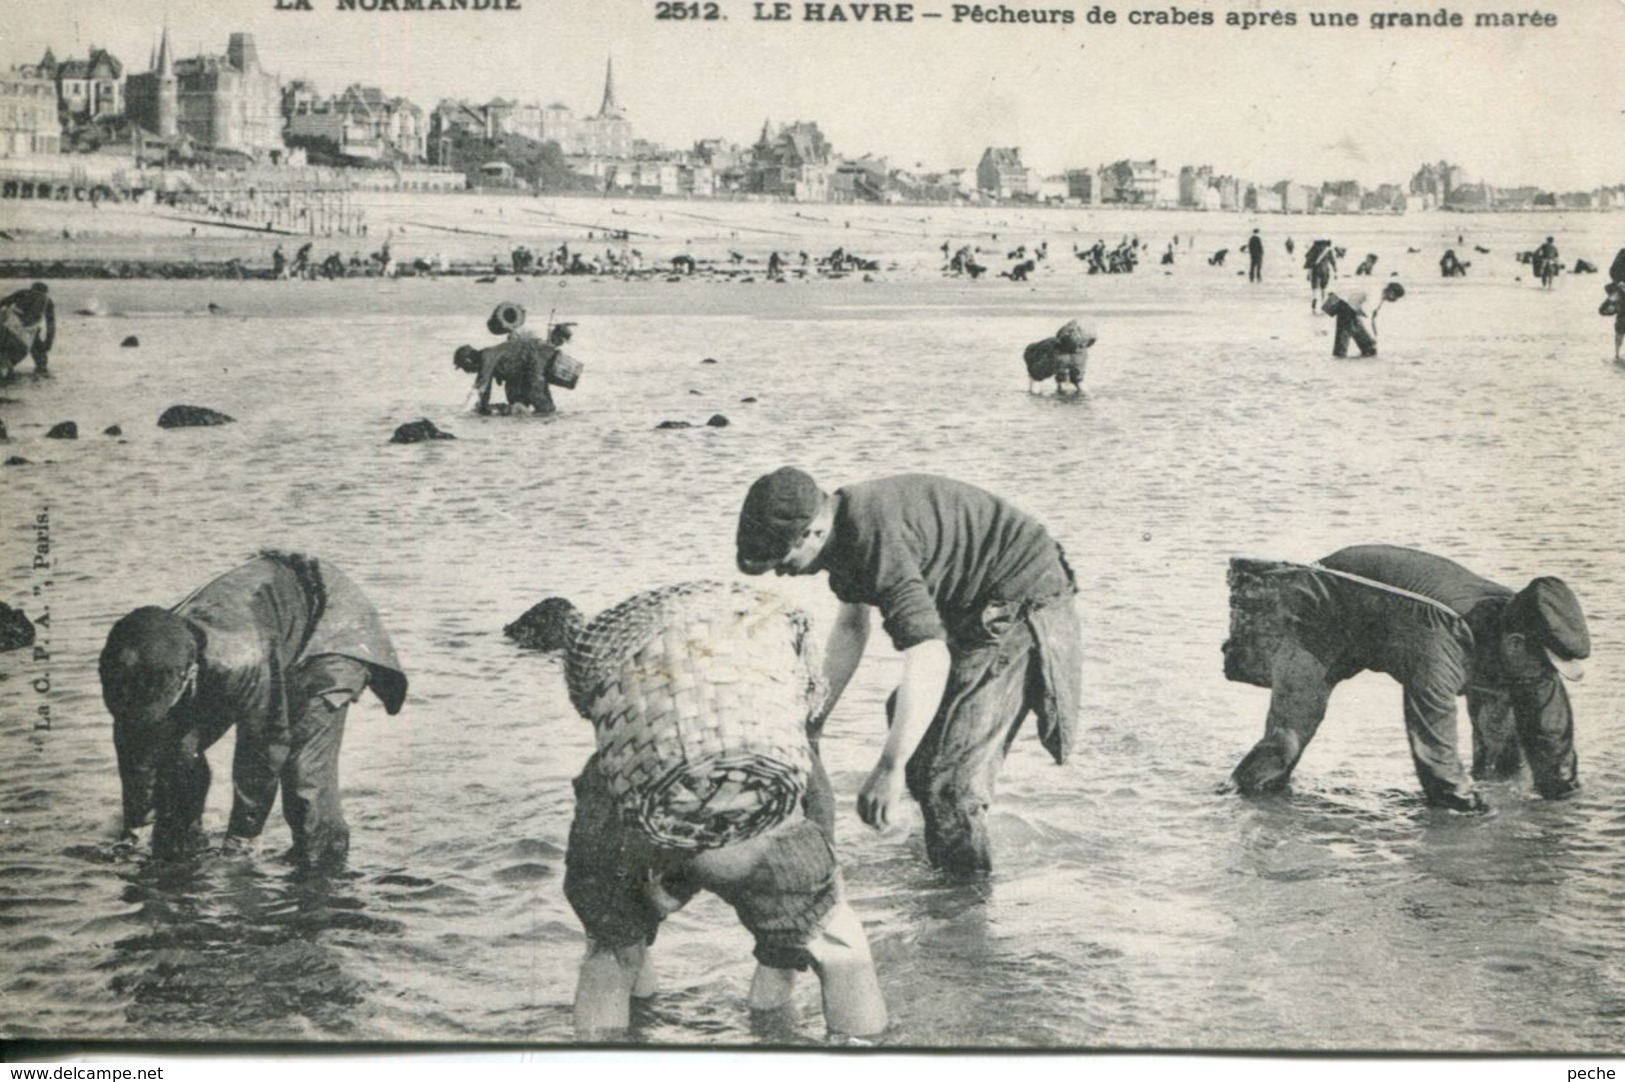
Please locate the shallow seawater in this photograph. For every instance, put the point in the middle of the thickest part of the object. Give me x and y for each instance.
(1135, 905)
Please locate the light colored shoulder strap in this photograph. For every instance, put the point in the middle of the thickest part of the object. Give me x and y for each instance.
(1388, 588)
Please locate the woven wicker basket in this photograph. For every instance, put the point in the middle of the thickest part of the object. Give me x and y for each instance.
(506, 318)
(1256, 627)
(700, 694)
(565, 371)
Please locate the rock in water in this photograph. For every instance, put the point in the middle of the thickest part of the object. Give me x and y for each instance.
(130, 342)
(674, 424)
(16, 629)
(67, 430)
(18, 460)
(717, 420)
(546, 625)
(418, 431)
(192, 417)
(112, 430)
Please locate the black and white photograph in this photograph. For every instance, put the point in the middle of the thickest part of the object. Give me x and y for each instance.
(803, 525)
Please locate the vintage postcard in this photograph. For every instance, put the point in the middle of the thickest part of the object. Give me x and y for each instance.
(813, 524)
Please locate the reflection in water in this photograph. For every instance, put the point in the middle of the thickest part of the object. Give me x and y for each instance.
(228, 948)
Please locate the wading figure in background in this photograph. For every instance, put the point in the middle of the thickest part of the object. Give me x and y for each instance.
(1062, 357)
(27, 329)
(1614, 305)
(280, 648)
(1354, 323)
(1442, 632)
(1547, 263)
(978, 598)
(1321, 263)
(1255, 258)
(523, 365)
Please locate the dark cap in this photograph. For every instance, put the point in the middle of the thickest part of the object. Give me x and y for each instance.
(1547, 611)
(146, 657)
(40, 287)
(776, 512)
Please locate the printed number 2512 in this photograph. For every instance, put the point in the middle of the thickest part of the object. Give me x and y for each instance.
(673, 10)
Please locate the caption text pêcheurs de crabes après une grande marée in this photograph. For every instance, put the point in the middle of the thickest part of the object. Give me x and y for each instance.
(838, 12)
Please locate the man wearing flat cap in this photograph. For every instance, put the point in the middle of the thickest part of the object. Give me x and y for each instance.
(280, 648)
(978, 598)
(1442, 632)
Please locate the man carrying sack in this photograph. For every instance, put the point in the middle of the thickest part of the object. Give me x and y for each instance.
(524, 365)
(699, 695)
(1062, 357)
(1441, 631)
(27, 329)
(978, 598)
(280, 648)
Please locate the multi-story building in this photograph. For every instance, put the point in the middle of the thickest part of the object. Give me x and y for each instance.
(606, 134)
(1139, 183)
(225, 102)
(87, 89)
(361, 122)
(794, 164)
(29, 123)
(1001, 174)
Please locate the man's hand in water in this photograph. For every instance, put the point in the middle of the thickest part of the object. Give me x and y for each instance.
(880, 801)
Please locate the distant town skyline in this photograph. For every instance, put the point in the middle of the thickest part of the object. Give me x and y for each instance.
(1541, 107)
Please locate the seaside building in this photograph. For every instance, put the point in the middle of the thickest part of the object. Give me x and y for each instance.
(515, 118)
(29, 123)
(607, 134)
(360, 123)
(1135, 183)
(226, 102)
(862, 180)
(793, 164)
(1293, 198)
(1081, 186)
(87, 89)
(1001, 174)
(1261, 199)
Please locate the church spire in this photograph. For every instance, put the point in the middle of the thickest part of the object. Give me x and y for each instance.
(166, 62)
(610, 107)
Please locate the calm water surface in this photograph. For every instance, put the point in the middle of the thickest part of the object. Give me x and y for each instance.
(1135, 905)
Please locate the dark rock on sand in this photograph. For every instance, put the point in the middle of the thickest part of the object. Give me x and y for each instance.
(18, 460)
(66, 430)
(717, 420)
(130, 342)
(546, 625)
(16, 629)
(112, 430)
(418, 431)
(192, 417)
(674, 424)
(709, 360)
(748, 398)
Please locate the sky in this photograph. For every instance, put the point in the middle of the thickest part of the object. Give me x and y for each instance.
(1543, 106)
